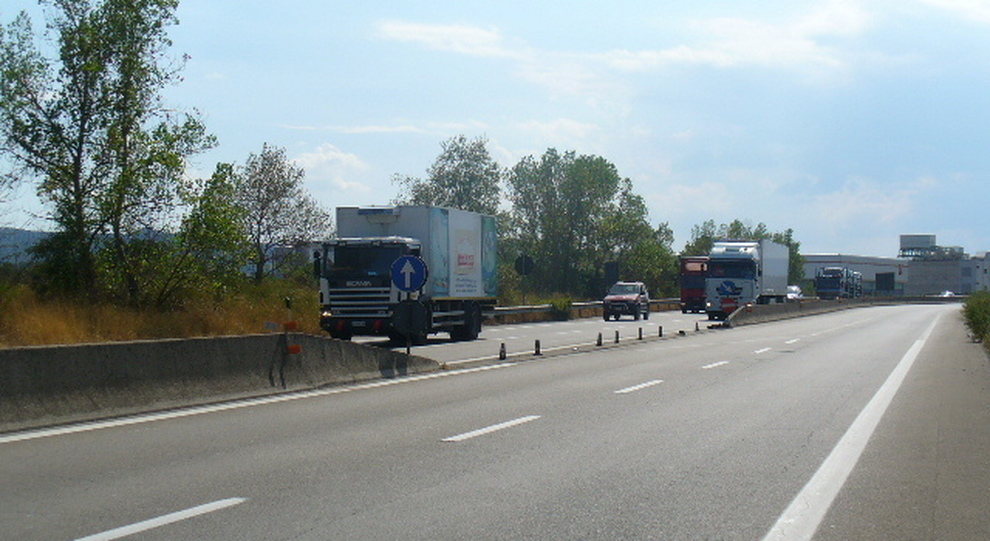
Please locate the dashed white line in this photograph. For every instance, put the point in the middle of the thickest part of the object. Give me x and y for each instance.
(714, 365)
(794, 341)
(163, 520)
(763, 350)
(635, 388)
(490, 429)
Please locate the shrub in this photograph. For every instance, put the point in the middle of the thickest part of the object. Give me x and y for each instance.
(560, 308)
(977, 313)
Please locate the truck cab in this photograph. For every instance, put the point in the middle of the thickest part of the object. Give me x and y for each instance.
(357, 295)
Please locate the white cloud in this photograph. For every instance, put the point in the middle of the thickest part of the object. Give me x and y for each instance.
(734, 42)
(330, 164)
(458, 38)
(972, 10)
(859, 203)
(561, 129)
(364, 129)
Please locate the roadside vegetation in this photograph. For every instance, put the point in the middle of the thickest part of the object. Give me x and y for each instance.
(977, 314)
(138, 249)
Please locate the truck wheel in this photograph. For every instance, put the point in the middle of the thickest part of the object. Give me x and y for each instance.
(471, 327)
(606, 316)
(636, 314)
(646, 314)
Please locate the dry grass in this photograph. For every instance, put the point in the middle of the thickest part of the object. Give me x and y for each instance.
(26, 320)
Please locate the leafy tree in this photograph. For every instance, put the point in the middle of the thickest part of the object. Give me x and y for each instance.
(211, 247)
(464, 176)
(90, 125)
(642, 252)
(702, 238)
(279, 212)
(575, 213)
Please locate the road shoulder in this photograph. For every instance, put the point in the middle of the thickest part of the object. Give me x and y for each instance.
(926, 472)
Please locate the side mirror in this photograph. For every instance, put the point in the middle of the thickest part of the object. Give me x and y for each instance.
(317, 265)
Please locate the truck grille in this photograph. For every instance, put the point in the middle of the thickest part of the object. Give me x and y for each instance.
(359, 301)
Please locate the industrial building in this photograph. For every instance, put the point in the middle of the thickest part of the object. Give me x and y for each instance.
(921, 268)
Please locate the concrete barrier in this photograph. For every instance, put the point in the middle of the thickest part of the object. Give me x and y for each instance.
(45, 385)
(762, 313)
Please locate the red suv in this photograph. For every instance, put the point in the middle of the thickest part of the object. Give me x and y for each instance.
(629, 298)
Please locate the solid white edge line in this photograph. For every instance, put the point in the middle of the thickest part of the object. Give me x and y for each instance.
(490, 429)
(163, 520)
(641, 386)
(801, 519)
(89, 426)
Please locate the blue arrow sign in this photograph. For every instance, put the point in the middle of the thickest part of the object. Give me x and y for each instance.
(409, 273)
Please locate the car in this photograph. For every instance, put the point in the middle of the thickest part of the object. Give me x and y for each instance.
(794, 293)
(626, 298)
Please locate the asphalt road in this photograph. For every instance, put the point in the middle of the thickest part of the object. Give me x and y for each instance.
(866, 424)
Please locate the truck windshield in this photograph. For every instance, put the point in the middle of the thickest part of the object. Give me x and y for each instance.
(732, 269)
(363, 261)
(692, 282)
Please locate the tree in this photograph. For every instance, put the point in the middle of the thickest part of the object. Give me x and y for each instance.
(90, 125)
(464, 176)
(642, 252)
(279, 212)
(575, 213)
(211, 247)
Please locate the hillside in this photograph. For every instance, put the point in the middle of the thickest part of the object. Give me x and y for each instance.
(14, 244)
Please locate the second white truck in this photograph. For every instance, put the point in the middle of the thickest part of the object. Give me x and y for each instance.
(742, 272)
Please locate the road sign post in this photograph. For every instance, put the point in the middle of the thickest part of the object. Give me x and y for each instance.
(411, 318)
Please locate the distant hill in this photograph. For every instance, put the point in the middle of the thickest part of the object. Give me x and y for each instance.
(14, 244)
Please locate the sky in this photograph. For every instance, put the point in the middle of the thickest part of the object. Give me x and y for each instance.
(849, 122)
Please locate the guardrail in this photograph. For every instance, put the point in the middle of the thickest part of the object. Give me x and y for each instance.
(577, 309)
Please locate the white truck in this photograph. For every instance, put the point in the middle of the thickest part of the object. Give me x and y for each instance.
(742, 272)
(358, 295)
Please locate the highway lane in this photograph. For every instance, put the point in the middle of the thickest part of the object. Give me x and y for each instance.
(520, 339)
(707, 437)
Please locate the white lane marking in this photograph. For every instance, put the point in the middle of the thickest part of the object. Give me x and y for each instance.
(794, 341)
(641, 386)
(763, 350)
(805, 513)
(163, 520)
(490, 429)
(714, 365)
(233, 405)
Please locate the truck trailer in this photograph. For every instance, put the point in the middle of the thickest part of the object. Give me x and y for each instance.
(358, 295)
(742, 272)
